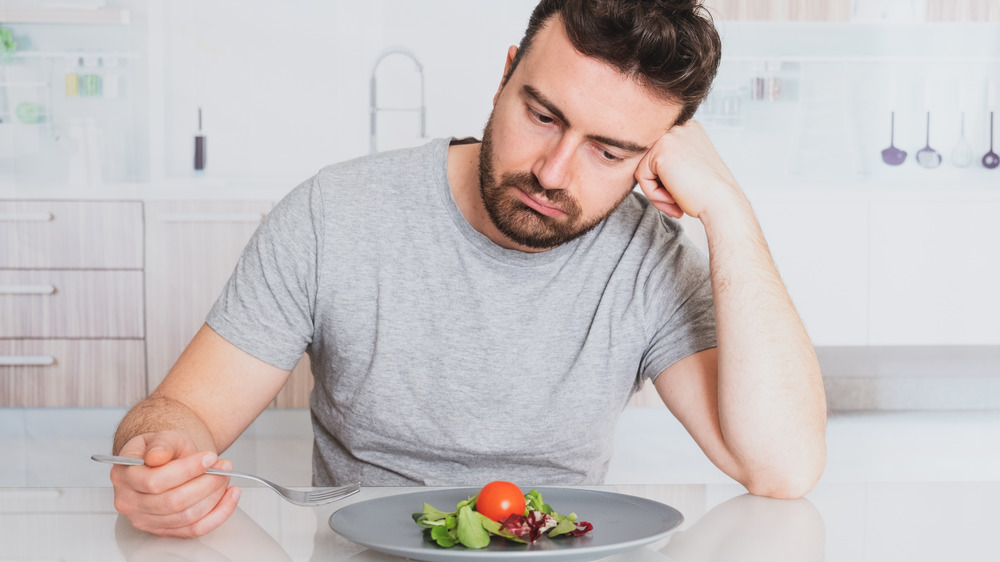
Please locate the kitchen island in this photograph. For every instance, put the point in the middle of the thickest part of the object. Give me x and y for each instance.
(849, 522)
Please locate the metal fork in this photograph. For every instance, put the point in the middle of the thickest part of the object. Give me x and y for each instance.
(308, 498)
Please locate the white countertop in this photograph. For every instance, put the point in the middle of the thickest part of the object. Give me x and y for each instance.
(194, 188)
(274, 188)
(836, 522)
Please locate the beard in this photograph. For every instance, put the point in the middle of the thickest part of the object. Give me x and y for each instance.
(519, 222)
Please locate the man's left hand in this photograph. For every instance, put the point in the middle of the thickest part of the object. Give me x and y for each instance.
(683, 174)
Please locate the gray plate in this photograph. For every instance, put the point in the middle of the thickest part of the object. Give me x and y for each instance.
(620, 522)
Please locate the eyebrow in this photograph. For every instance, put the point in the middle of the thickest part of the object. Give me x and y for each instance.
(538, 98)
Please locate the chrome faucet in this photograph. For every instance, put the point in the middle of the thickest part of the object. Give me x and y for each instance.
(374, 109)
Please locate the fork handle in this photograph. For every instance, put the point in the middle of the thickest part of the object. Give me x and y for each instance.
(129, 461)
(114, 459)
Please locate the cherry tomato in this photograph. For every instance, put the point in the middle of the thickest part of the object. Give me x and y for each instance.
(498, 500)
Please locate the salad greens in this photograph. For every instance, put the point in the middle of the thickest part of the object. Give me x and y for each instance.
(471, 529)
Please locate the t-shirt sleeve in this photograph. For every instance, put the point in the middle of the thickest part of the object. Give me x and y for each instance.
(266, 308)
(680, 310)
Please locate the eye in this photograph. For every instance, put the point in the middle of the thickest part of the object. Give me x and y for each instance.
(541, 117)
(608, 156)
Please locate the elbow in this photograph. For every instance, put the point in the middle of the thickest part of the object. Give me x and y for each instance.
(781, 488)
(786, 484)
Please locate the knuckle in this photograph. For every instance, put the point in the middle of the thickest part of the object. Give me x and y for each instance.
(198, 528)
(175, 503)
(140, 524)
(157, 484)
(121, 506)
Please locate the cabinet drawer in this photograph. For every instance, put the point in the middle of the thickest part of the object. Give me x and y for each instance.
(71, 304)
(71, 235)
(76, 373)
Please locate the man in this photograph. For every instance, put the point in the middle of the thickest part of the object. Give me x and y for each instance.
(481, 311)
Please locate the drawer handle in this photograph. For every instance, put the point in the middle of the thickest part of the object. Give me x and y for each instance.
(26, 360)
(26, 217)
(27, 289)
(211, 217)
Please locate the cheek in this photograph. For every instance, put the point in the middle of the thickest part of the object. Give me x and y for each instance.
(600, 199)
(515, 147)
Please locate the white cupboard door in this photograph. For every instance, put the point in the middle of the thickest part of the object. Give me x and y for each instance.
(191, 250)
(821, 250)
(935, 272)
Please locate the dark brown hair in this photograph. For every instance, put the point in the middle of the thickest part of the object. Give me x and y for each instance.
(670, 47)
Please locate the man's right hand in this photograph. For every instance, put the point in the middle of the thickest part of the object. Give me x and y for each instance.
(171, 495)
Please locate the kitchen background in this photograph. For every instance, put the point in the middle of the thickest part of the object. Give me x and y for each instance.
(891, 259)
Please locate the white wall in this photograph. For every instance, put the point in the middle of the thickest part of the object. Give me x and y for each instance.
(284, 86)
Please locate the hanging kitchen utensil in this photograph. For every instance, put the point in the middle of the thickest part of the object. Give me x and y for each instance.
(892, 155)
(961, 155)
(991, 160)
(928, 157)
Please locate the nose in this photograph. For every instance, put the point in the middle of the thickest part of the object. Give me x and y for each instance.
(553, 164)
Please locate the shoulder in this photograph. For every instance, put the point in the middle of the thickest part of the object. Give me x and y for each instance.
(639, 222)
(654, 244)
(395, 167)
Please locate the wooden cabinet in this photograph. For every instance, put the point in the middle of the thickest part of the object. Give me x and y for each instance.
(71, 308)
(843, 10)
(191, 250)
(70, 235)
(780, 10)
(72, 373)
(71, 304)
(295, 394)
(963, 10)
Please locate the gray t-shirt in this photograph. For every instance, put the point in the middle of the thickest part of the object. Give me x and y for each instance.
(441, 358)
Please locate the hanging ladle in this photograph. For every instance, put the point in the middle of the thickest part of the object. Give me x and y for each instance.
(991, 160)
(892, 155)
(928, 157)
(961, 155)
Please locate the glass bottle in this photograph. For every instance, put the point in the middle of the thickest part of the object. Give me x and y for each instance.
(72, 80)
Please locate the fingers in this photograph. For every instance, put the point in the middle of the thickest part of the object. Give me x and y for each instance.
(166, 446)
(195, 520)
(651, 185)
(158, 448)
(171, 495)
(159, 479)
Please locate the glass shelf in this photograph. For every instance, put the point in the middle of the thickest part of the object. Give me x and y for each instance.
(62, 16)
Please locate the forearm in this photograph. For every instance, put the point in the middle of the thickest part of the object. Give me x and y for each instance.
(159, 413)
(772, 408)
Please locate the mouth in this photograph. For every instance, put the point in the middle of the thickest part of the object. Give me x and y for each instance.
(540, 206)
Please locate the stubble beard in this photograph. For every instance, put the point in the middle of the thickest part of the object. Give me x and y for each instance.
(519, 222)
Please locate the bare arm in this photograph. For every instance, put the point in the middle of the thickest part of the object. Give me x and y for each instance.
(756, 405)
(212, 394)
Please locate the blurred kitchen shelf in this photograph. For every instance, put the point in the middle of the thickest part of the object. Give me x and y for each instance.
(854, 59)
(106, 17)
(75, 55)
(23, 84)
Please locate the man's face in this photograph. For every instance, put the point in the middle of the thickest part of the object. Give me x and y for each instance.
(562, 144)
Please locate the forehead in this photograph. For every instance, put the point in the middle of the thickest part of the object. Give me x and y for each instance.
(591, 89)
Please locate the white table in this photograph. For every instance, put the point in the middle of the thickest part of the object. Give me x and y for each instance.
(836, 522)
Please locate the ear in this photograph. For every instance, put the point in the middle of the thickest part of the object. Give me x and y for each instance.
(511, 53)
